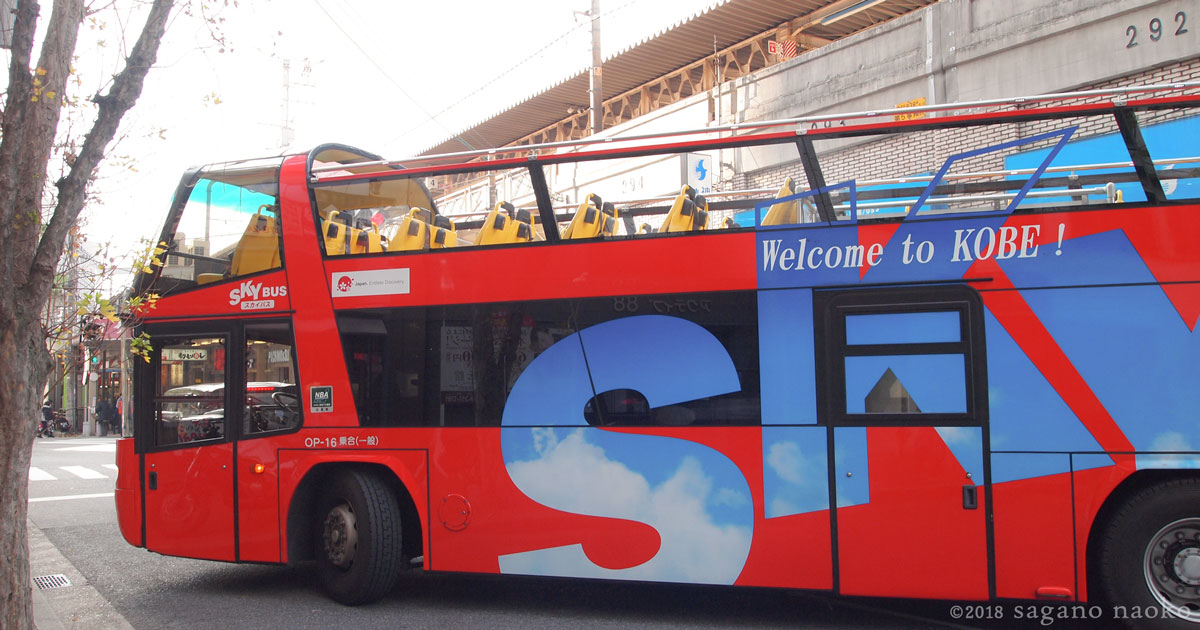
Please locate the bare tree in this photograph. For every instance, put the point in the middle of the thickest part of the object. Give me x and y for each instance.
(31, 246)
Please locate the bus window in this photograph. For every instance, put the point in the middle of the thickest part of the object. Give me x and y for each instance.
(445, 366)
(272, 398)
(884, 379)
(189, 402)
(630, 341)
(228, 226)
(401, 214)
(364, 342)
(893, 357)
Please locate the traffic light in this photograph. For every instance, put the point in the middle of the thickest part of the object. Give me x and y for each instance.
(95, 360)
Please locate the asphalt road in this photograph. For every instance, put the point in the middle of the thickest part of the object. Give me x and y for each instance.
(71, 503)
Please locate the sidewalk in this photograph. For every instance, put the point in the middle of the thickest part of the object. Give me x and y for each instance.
(75, 607)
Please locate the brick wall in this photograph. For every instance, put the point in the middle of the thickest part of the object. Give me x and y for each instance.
(923, 152)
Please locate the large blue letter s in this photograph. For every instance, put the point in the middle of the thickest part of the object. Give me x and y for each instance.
(695, 497)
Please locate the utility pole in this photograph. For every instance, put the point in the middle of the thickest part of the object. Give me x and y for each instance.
(294, 94)
(596, 109)
(76, 354)
(287, 134)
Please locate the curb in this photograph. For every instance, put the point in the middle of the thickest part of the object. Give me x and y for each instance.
(75, 607)
(44, 617)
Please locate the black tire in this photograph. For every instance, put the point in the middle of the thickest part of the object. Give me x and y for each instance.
(1149, 557)
(357, 537)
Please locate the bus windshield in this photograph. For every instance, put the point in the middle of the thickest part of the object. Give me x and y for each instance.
(224, 224)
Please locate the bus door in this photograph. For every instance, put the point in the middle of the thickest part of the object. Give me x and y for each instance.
(184, 433)
(904, 392)
(269, 406)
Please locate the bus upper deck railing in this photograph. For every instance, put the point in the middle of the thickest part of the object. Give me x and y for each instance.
(1072, 187)
(337, 171)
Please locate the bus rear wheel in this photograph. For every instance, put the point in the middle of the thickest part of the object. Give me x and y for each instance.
(1150, 556)
(357, 537)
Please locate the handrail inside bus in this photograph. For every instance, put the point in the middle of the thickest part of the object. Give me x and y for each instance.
(644, 205)
(1108, 190)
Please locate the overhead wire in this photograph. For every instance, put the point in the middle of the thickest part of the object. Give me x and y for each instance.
(507, 72)
(384, 72)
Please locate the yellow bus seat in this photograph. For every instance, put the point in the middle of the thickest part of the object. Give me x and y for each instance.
(258, 250)
(520, 229)
(412, 234)
(442, 233)
(366, 240)
(683, 216)
(505, 224)
(610, 221)
(488, 232)
(335, 233)
(351, 237)
(700, 218)
(729, 224)
(593, 218)
(785, 213)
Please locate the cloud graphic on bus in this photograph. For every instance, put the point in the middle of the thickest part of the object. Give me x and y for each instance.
(795, 470)
(1169, 441)
(705, 526)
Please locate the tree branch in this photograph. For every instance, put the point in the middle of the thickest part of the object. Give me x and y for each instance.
(42, 109)
(126, 88)
(16, 104)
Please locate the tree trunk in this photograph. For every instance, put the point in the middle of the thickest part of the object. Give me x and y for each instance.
(31, 250)
(24, 364)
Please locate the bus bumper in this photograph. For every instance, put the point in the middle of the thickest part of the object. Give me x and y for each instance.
(128, 493)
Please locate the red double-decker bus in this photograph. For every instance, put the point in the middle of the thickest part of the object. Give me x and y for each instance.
(939, 352)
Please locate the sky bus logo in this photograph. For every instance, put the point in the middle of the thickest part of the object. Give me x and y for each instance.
(252, 296)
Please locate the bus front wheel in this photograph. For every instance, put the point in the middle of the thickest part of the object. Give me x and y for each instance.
(357, 537)
(1150, 556)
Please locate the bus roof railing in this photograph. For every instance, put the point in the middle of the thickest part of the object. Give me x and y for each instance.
(337, 170)
(563, 210)
(1024, 171)
(1108, 190)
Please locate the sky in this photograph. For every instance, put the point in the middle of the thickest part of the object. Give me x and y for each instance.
(389, 77)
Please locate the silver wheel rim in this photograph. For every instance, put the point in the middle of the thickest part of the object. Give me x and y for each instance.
(339, 534)
(1171, 566)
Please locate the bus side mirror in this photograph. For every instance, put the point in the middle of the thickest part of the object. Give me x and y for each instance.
(617, 407)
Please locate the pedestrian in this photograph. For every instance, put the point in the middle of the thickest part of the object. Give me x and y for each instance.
(116, 416)
(102, 417)
(47, 421)
(107, 412)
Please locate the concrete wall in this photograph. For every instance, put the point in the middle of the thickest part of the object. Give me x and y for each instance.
(963, 50)
(953, 51)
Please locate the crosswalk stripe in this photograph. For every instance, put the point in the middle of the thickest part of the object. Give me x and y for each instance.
(37, 474)
(72, 496)
(83, 472)
(112, 466)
